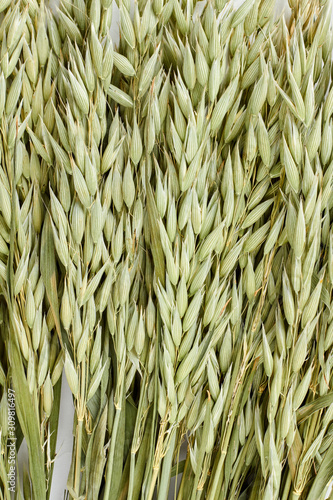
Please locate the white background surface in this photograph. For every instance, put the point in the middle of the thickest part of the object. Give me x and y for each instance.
(65, 429)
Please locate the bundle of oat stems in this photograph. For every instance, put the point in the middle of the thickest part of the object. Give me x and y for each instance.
(166, 244)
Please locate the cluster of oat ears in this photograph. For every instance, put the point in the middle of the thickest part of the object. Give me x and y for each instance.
(166, 245)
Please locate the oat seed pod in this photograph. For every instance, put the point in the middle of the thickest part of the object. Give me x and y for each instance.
(80, 186)
(14, 92)
(300, 351)
(275, 389)
(241, 13)
(328, 337)
(290, 167)
(226, 351)
(96, 351)
(37, 328)
(83, 344)
(161, 197)
(256, 213)
(127, 26)
(131, 329)
(250, 148)
(90, 175)
(259, 94)
(187, 364)
(171, 225)
(77, 222)
(140, 335)
(214, 81)
(42, 41)
(201, 65)
(229, 262)
(57, 368)
(250, 284)
(96, 51)
(310, 200)
(124, 284)
(2, 92)
(309, 99)
(286, 415)
(123, 65)
(176, 329)
(263, 142)
(48, 395)
(97, 219)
